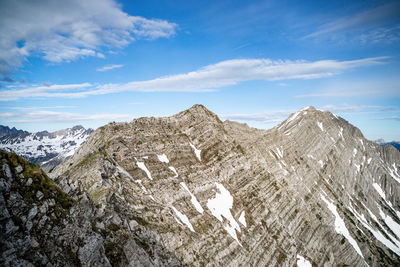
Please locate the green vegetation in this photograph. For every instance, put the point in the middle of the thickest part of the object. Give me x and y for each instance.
(97, 193)
(115, 253)
(40, 181)
(88, 159)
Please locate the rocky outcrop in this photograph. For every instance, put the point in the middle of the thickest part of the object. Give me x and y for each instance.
(192, 190)
(218, 193)
(41, 225)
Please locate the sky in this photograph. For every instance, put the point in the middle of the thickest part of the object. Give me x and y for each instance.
(89, 62)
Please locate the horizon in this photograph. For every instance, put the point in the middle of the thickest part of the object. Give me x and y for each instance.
(94, 129)
(92, 62)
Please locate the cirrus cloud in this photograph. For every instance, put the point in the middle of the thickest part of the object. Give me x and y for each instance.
(208, 78)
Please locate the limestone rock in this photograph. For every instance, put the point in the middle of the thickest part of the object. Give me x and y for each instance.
(192, 190)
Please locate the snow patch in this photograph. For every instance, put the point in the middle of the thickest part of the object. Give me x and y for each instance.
(395, 227)
(280, 154)
(123, 171)
(302, 262)
(144, 168)
(139, 182)
(341, 133)
(355, 152)
(378, 189)
(320, 126)
(194, 201)
(173, 169)
(220, 206)
(393, 172)
(163, 158)
(292, 117)
(321, 163)
(196, 151)
(183, 218)
(378, 235)
(369, 161)
(242, 219)
(340, 227)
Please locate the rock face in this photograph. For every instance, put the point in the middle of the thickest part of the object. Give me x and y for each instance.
(44, 148)
(41, 225)
(192, 190)
(5, 130)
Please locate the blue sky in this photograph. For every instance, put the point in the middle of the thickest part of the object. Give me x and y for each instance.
(64, 63)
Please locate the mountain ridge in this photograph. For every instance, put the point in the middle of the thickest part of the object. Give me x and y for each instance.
(190, 189)
(227, 149)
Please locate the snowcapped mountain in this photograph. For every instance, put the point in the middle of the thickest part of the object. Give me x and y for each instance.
(44, 148)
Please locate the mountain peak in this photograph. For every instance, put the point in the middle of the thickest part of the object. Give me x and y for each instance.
(199, 112)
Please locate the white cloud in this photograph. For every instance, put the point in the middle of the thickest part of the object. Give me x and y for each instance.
(41, 91)
(369, 23)
(364, 109)
(274, 116)
(208, 78)
(49, 107)
(388, 87)
(68, 30)
(394, 118)
(109, 67)
(266, 117)
(47, 116)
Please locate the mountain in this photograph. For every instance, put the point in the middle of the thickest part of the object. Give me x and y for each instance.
(5, 130)
(192, 190)
(382, 142)
(44, 148)
(393, 143)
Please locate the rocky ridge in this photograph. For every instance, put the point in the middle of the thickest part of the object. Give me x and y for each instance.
(192, 190)
(44, 148)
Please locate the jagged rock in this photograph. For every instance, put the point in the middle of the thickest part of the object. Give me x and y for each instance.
(92, 253)
(39, 195)
(29, 182)
(18, 169)
(6, 170)
(4, 185)
(32, 212)
(192, 190)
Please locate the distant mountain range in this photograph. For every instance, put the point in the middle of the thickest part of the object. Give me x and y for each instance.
(44, 148)
(382, 142)
(5, 130)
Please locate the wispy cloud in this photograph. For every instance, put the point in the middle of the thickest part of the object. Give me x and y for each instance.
(35, 108)
(206, 79)
(47, 116)
(266, 117)
(67, 30)
(363, 24)
(109, 67)
(364, 109)
(395, 118)
(350, 88)
(42, 91)
(274, 116)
